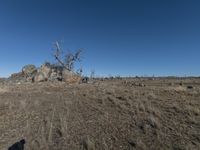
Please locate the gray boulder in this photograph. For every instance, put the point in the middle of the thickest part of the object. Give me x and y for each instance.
(40, 77)
(43, 73)
(70, 77)
(46, 70)
(29, 70)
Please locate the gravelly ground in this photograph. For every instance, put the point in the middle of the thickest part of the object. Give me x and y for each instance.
(104, 115)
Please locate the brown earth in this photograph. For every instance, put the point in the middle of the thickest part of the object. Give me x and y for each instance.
(118, 114)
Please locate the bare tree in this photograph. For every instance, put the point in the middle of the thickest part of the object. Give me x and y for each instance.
(57, 54)
(69, 58)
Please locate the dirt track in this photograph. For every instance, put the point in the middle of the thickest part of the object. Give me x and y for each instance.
(105, 115)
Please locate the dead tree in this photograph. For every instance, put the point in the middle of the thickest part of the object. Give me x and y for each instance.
(70, 58)
(57, 55)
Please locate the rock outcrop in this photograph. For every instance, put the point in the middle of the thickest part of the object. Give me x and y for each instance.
(47, 72)
(29, 70)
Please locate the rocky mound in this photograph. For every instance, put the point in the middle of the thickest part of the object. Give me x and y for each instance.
(47, 72)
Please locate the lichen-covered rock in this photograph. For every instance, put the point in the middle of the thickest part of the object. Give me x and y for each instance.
(29, 70)
(45, 69)
(55, 76)
(17, 75)
(39, 77)
(70, 77)
(56, 73)
(47, 72)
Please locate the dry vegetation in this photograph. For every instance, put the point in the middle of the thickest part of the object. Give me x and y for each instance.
(114, 114)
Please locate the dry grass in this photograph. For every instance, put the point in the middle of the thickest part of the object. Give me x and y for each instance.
(103, 115)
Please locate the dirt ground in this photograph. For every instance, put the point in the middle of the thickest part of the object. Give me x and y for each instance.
(118, 114)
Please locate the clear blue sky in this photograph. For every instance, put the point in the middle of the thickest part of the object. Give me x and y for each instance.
(120, 37)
